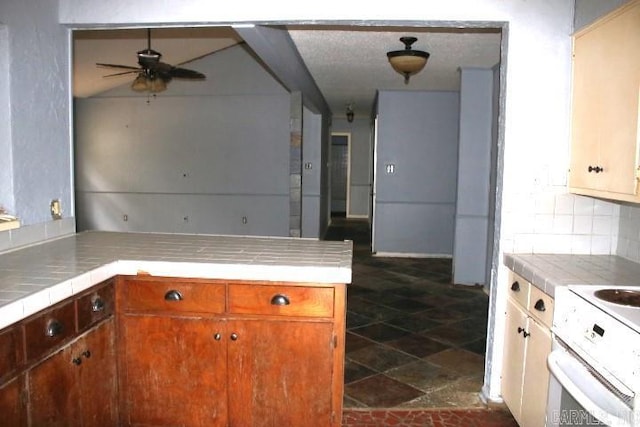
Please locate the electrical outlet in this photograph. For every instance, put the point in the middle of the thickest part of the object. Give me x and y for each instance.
(56, 209)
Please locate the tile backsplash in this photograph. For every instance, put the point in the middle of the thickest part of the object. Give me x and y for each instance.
(36, 233)
(559, 222)
(629, 233)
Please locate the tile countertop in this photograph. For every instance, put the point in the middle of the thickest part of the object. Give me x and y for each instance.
(36, 277)
(547, 271)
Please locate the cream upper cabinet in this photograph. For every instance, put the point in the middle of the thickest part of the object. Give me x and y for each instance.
(606, 92)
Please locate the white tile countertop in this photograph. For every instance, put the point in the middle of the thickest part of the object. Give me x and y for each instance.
(36, 277)
(547, 271)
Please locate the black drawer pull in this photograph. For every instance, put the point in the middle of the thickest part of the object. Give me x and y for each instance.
(234, 337)
(97, 304)
(515, 286)
(280, 299)
(173, 295)
(540, 305)
(53, 328)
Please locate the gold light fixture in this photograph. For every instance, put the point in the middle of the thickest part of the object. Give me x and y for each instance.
(408, 61)
(145, 83)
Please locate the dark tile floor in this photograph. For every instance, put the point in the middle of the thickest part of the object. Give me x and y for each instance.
(414, 340)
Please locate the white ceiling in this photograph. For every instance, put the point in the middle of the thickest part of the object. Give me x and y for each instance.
(348, 63)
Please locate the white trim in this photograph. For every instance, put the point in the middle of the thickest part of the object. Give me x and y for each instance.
(411, 255)
(358, 216)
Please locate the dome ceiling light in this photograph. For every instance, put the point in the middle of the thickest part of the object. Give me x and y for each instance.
(408, 61)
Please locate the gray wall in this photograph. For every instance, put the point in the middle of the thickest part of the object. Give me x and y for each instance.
(474, 172)
(361, 163)
(415, 206)
(587, 11)
(198, 158)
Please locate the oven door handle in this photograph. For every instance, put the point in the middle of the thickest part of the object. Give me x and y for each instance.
(590, 393)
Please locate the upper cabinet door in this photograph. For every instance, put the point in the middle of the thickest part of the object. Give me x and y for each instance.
(606, 89)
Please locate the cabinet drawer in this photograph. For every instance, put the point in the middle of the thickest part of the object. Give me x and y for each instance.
(541, 306)
(96, 305)
(172, 296)
(518, 289)
(49, 329)
(10, 351)
(281, 300)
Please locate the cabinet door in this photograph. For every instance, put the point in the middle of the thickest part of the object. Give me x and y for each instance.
(54, 394)
(12, 407)
(280, 373)
(513, 357)
(536, 375)
(97, 376)
(174, 371)
(606, 77)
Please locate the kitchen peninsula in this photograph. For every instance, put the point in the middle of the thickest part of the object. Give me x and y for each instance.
(103, 328)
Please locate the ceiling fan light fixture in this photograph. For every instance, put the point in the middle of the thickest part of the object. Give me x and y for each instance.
(408, 61)
(140, 84)
(157, 85)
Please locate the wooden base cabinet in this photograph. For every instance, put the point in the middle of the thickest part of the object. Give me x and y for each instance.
(255, 354)
(58, 366)
(174, 371)
(280, 373)
(12, 403)
(527, 344)
(77, 385)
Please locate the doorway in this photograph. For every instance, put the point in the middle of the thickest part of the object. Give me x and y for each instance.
(340, 174)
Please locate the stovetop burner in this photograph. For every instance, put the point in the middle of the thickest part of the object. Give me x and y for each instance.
(626, 297)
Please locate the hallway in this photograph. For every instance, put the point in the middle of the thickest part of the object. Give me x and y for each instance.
(414, 340)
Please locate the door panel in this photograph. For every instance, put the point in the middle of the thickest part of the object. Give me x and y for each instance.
(286, 366)
(175, 371)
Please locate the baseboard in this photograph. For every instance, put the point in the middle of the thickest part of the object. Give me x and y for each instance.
(410, 255)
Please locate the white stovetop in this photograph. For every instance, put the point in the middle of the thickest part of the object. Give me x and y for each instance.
(39, 276)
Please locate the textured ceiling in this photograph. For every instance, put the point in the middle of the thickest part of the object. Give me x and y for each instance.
(348, 63)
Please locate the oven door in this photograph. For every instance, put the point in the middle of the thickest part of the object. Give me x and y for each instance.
(578, 396)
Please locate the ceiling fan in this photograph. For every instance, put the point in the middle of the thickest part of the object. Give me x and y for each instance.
(153, 75)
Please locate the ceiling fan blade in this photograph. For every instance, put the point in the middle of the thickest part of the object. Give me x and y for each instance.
(125, 67)
(183, 73)
(122, 73)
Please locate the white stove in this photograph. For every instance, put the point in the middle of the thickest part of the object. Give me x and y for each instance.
(596, 352)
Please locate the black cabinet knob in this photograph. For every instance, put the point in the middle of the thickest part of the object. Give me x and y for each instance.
(540, 305)
(173, 295)
(53, 328)
(234, 337)
(280, 299)
(86, 354)
(97, 304)
(77, 361)
(515, 286)
(217, 336)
